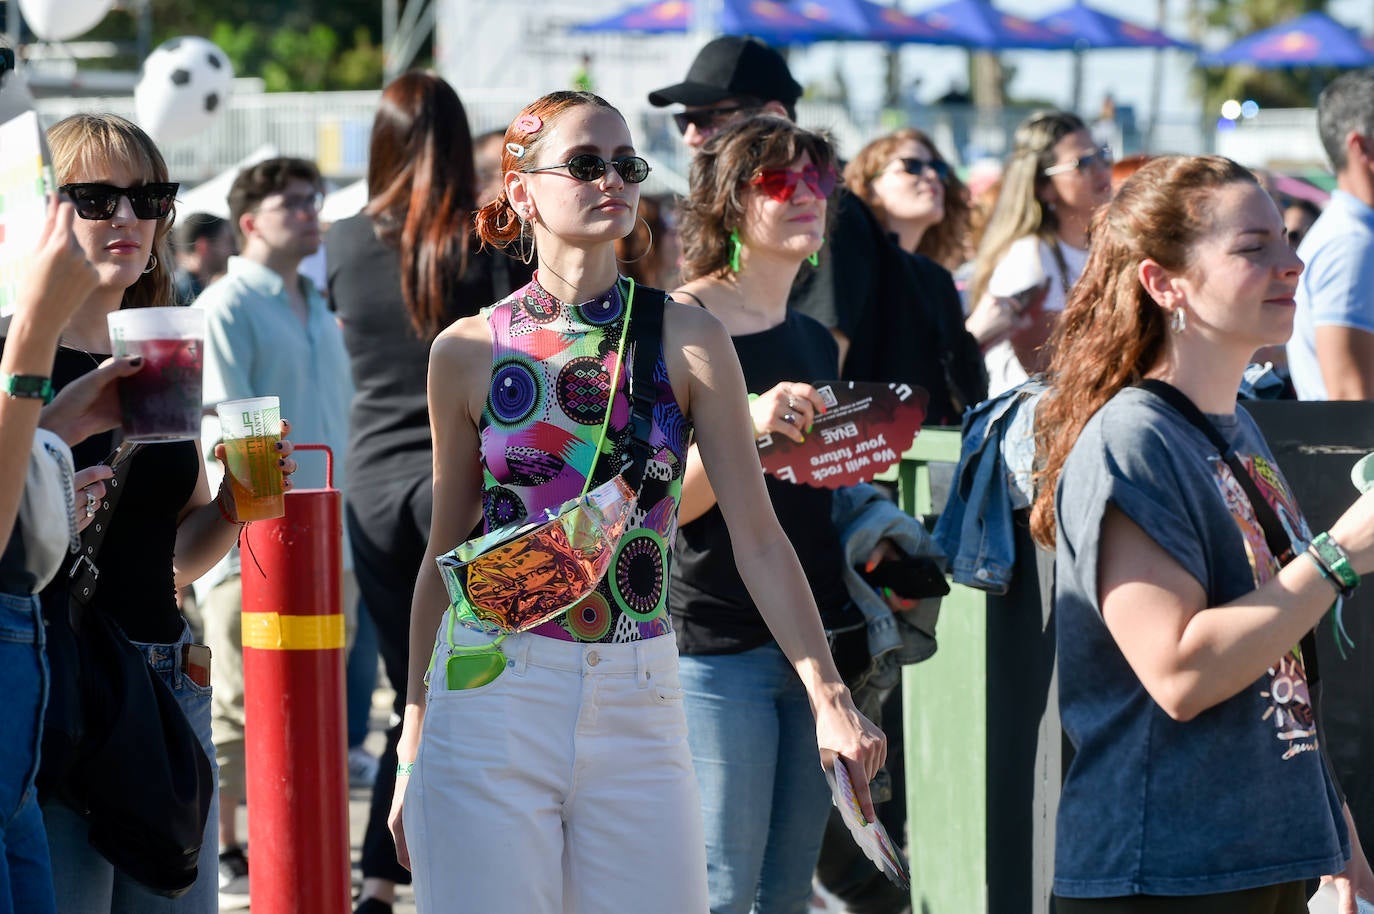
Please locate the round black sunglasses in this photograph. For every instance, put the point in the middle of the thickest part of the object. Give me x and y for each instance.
(587, 167)
(98, 202)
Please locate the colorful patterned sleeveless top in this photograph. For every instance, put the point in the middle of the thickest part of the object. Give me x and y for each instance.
(552, 365)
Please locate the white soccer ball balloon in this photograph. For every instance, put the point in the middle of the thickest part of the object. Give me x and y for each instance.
(183, 87)
(59, 20)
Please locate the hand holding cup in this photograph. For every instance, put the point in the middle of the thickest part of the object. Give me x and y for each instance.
(257, 459)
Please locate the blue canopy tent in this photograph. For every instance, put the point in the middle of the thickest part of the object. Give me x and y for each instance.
(770, 20)
(977, 24)
(1310, 40)
(779, 21)
(1092, 29)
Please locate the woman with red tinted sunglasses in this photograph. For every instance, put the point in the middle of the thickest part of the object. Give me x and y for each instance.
(756, 211)
(559, 778)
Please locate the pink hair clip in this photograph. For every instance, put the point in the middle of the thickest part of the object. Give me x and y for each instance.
(528, 123)
(516, 150)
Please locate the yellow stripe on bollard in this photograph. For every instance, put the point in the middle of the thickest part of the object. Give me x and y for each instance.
(276, 632)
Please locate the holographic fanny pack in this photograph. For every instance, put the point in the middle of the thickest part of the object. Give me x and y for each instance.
(519, 576)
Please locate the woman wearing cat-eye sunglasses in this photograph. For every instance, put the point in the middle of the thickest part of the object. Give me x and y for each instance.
(169, 527)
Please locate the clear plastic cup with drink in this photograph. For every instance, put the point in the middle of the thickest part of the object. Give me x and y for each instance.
(162, 401)
(251, 429)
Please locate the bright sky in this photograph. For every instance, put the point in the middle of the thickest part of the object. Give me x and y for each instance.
(1125, 74)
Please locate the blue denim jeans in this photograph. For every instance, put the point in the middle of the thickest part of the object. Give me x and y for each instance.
(86, 882)
(763, 794)
(25, 873)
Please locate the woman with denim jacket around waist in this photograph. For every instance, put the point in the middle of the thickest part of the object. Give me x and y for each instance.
(167, 529)
(757, 209)
(1199, 782)
(565, 782)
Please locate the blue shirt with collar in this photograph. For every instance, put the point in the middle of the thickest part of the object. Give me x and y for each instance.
(256, 345)
(1336, 288)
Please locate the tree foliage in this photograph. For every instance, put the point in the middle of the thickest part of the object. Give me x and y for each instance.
(300, 46)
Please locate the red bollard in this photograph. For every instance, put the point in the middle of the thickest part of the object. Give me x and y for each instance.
(295, 734)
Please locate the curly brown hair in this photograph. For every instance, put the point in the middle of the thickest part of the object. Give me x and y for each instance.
(946, 241)
(1111, 331)
(727, 163)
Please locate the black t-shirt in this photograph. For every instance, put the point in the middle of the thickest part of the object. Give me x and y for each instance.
(711, 608)
(389, 421)
(137, 585)
(900, 312)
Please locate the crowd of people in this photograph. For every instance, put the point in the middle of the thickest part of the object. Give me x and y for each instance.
(508, 331)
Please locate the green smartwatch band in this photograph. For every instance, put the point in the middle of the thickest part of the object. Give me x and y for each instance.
(1334, 558)
(26, 386)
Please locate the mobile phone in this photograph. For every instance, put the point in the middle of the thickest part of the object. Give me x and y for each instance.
(909, 577)
(195, 662)
(1029, 297)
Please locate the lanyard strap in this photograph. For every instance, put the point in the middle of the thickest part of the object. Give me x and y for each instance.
(1280, 545)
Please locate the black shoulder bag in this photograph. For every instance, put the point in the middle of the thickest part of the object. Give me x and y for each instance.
(117, 747)
(1280, 546)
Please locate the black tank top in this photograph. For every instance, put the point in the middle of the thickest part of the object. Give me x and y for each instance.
(137, 586)
(711, 608)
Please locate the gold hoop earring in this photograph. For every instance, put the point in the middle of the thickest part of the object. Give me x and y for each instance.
(152, 264)
(647, 248)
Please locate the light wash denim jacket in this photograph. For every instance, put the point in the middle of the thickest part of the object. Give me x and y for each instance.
(864, 516)
(991, 481)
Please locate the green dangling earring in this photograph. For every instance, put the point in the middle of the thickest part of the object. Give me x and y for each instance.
(736, 246)
(814, 258)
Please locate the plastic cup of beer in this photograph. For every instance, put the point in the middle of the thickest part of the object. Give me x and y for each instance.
(251, 428)
(162, 401)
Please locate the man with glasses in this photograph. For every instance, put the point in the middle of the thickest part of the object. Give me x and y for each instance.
(734, 77)
(1331, 352)
(268, 333)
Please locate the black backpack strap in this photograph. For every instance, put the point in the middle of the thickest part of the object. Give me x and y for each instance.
(646, 331)
(1280, 546)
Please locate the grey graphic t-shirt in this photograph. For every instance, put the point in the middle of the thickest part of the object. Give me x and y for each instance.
(1239, 796)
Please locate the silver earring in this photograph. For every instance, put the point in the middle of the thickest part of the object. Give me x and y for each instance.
(1178, 320)
(152, 264)
(526, 242)
(647, 248)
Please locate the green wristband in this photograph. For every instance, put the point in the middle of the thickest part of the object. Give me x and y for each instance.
(404, 769)
(1334, 559)
(27, 387)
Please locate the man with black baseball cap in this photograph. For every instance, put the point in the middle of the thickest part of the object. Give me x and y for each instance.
(732, 76)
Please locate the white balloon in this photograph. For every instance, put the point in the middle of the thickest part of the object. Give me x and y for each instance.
(59, 20)
(184, 86)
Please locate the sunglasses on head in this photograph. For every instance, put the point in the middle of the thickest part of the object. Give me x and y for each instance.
(98, 202)
(587, 167)
(1101, 156)
(707, 118)
(919, 167)
(781, 183)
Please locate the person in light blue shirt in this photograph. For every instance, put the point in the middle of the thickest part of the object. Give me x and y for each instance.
(269, 332)
(1331, 352)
